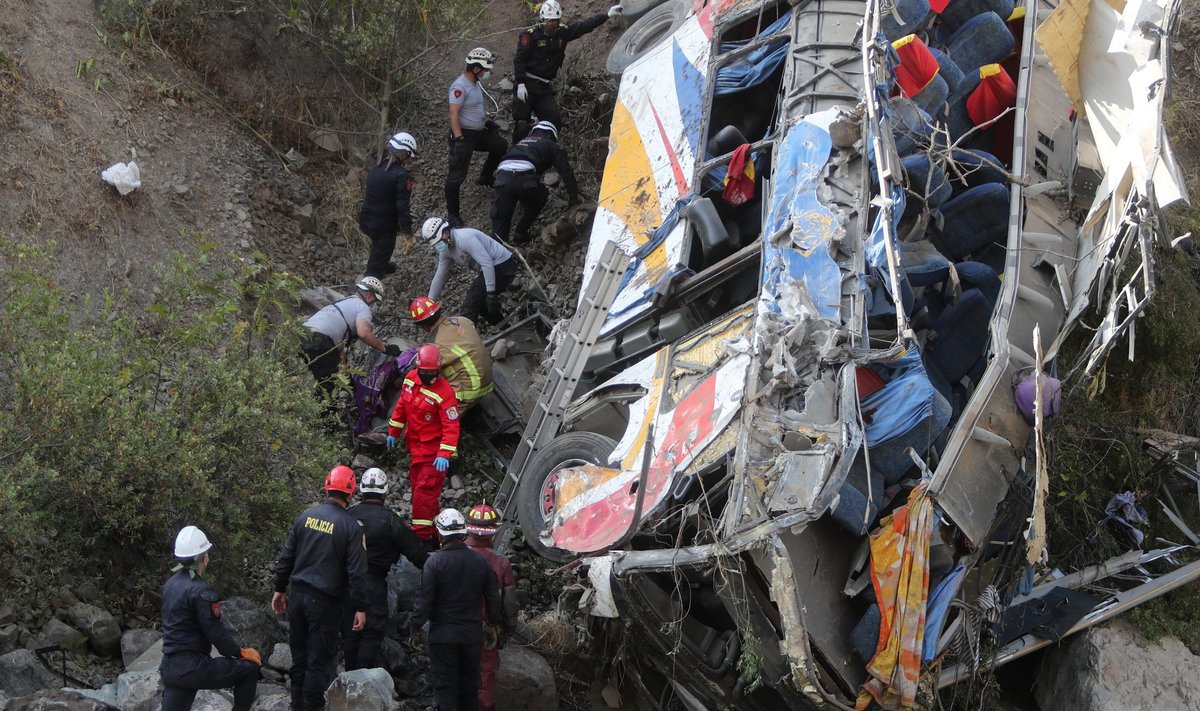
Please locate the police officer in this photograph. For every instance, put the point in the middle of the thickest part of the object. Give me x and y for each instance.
(519, 180)
(492, 261)
(470, 129)
(427, 414)
(336, 326)
(453, 582)
(191, 622)
(387, 538)
(324, 561)
(465, 362)
(482, 524)
(385, 208)
(540, 52)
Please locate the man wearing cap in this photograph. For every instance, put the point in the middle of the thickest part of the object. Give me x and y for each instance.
(453, 582)
(334, 328)
(519, 180)
(387, 538)
(191, 624)
(482, 523)
(465, 362)
(322, 566)
(491, 261)
(385, 208)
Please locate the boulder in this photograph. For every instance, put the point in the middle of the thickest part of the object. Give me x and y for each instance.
(56, 700)
(62, 634)
(253, 624)
(272, 697)
(395, 660)
(87, 591)
(1113, 668)
(137, 690)
(106, 695)
(104, 634)
(524, 681)
(21, 674)
(10, 638)
(135, 642)
(213, 700)
(7, 616)
(403, 581)
(362, 690)
(147, 660)
(281, 658)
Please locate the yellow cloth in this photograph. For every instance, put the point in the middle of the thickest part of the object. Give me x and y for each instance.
(900, 575)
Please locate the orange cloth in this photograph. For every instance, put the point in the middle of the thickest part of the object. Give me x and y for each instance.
(995, 93)
(739, 177)
(917, 66)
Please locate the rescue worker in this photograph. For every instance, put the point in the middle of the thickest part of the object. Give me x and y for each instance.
(482, 523)
(453, 582)
(385, 209)
(469, 247)
(387, 537)
(336, 326)
(540, 53)
(191, 625)
(465, 362)
(324, 564)
(427, 414)
(519, 180)
(470, 129)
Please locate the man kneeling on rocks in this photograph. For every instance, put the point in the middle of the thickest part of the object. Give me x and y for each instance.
(191, 622)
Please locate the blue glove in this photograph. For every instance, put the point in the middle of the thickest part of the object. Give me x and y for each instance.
(441, 464)
(391, 442)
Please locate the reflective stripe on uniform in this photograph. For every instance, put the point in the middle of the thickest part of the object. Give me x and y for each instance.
(474, 392)
(397, 425)
(422, 522)
(448, 447)
(430, 393)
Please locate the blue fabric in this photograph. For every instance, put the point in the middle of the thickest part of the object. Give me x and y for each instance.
(923, 264)
(932, 99)
(974, 220)
(907, 18)
(903, 403)
(978, 168)
(984, 39)
(926, 182)
(936, 607)
(974, 275)
(947, 70)
(756, 67)
(911, 127)
(962, 336)
(959, 12)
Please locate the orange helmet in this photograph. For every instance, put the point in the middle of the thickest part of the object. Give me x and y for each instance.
(482, 520)
(428, 357)
(341, 478)
(423, 308)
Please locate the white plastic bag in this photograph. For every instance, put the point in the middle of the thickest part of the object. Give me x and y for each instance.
(125, 177)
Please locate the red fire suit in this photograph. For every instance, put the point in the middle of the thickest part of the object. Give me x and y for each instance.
(490, 658)
(428, 417)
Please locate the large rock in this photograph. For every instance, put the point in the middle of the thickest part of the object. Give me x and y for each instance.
(104, 634)
(272, 697)
(135, 642)
(1113, 668)
(10, 638)
(148, 660)
(403, 581)
(395, 660)
(524, 681)
(137, 690)
(62, 634)
(213, 700)
(281, 658)
(362, 690)
(22, 674)
(56, 700)
(252, 624)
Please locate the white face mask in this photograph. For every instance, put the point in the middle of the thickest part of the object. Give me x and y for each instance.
(485, 76)
(441, 247)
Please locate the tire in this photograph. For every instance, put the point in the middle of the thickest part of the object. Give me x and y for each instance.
(633, 9)
(646, 33)
(533, 506)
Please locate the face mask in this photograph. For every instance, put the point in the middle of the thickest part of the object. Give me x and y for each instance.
(441, 247)
(427, 377)
(485, 76)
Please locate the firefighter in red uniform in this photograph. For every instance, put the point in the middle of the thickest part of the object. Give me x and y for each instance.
(482, 522)
(427, 413)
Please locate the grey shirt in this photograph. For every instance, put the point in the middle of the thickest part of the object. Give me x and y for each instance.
(474, 250)
(469, 95)
(335, 319)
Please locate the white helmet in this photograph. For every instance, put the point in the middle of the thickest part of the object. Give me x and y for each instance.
(374, 481)
(191, 542)
(403, 142)
(432, 230)
(547, 127)
(481, 56)
(450, 523)
(371, 284)
(550, 10)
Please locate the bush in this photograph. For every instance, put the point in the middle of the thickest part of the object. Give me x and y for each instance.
(115, 432)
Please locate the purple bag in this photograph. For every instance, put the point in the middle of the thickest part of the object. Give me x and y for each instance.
(368, 391)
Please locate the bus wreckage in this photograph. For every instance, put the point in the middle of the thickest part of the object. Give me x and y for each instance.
(791, 438)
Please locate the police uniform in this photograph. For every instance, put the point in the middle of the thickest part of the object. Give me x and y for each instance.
(324, 561)
(387, 537)
(466, 364)
(518, 180)
(191, 620)
(428, 417)
(453, 582)
(385, 210)
(536, 63)
(509, 605)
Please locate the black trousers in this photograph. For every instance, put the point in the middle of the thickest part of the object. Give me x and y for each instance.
(383, 243)
(362, 648)
(475, 302)
(323, 357)
(513, 188)
(185, 673)
(460, 163)
(313, 637)
(455, 672)
(539, 102)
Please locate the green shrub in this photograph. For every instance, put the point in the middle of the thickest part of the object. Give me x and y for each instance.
(117, 430)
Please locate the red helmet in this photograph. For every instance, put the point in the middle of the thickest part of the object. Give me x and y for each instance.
(428, 357)
(341, 478)
(482, 520)
(423, 308)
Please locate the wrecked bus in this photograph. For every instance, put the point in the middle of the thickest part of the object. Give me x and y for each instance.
(779, 438)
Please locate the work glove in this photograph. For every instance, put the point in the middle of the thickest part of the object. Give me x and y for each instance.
(616, 11)
(393, 350)
(441, 464)
(494, 312)
(391, 442)
(522, 93)
(251, 655)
